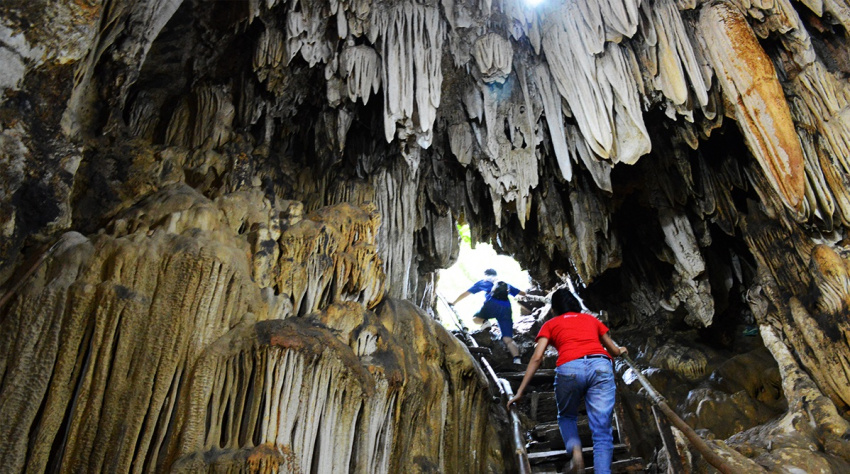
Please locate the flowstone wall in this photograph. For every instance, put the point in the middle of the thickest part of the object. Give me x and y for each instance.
(157, 344)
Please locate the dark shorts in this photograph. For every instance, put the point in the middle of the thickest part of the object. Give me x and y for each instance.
(501, 313)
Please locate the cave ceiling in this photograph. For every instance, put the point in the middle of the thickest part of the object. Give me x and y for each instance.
(568, 134)
(686, 162)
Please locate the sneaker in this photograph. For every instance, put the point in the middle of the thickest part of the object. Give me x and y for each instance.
(517, 361)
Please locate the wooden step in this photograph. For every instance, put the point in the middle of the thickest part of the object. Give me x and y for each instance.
(561, 455)
(543, 429)
(549, 435)
(539, 376)
(624, 465)
(541, 406)
(479, 351)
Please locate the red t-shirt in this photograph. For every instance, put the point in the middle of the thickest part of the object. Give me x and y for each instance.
(574, 335)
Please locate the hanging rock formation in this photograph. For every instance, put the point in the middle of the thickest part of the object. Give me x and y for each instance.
(222, 222)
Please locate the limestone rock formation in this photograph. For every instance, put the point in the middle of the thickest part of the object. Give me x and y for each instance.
(222, 222)
(161, 339)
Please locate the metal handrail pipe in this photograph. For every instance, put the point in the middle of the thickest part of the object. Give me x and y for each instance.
(710, 456)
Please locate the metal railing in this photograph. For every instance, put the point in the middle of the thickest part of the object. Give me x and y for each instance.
(710, 456)
(505, 391)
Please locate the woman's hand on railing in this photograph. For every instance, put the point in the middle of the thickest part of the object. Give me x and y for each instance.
(514, 400)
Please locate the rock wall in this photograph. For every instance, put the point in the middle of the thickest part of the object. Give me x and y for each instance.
(163, 343)
(257, 179)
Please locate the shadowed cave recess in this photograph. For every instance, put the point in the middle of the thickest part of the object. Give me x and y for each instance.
(223, 223)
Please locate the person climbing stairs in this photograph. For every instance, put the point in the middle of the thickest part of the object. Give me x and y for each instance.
(541, 448)
(544, 444)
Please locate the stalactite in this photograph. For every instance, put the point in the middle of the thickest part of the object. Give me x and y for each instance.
(717, 201)
(493, 55)
(820, 107)
(690, 285)
(595, 248)
(597, 81)
(554, 118)
(461, 142)
(269, 59)
(137, 26)
(680, 360)
(675, 53)
(760, 108)
(526, 23)
(230, 176)
(360, 66)
(509, 141)
(411, 39)
(204, 121)
(580, 153)
(330, 255)
(438, 241)
(306, 23)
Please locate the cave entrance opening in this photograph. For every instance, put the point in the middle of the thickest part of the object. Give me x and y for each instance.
(473, 259)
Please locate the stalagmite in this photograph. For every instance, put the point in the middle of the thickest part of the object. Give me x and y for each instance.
(396, 203)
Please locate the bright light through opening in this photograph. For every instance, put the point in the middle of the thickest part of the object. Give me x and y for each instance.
(470, 268)
(533, 3)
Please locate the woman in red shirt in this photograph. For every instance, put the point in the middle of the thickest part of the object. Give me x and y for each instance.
(584, 369)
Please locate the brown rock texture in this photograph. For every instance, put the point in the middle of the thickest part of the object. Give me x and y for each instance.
(222, 224)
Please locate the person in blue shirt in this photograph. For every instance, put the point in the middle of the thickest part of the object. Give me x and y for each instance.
(497, 306)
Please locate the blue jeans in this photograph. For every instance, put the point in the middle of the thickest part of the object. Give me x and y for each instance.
(501, 311)
(592, 379)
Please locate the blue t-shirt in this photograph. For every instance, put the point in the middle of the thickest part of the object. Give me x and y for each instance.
(487, 285)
